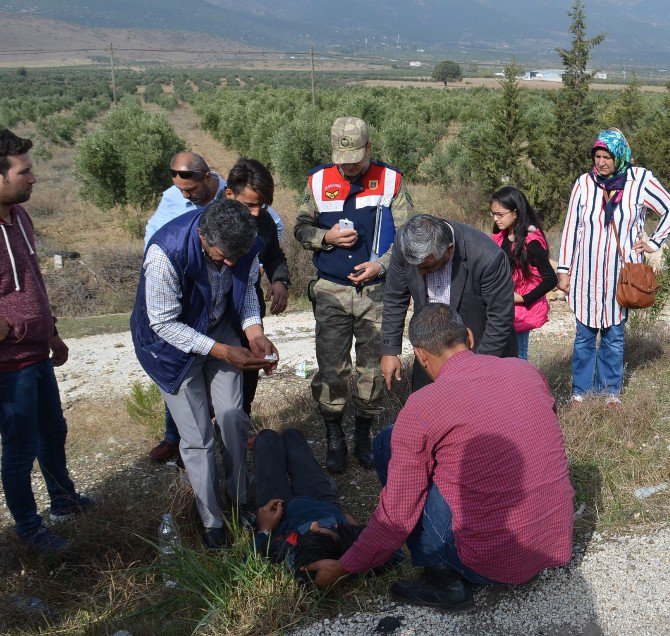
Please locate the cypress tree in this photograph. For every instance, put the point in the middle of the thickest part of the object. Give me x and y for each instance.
(567, 154)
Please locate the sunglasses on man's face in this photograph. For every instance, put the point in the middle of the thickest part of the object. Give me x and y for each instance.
(186, 174)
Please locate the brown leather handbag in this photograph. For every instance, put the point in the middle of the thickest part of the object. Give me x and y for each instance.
(637, 282)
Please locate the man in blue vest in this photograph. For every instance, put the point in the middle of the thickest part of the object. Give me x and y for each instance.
(196, 185)
(348, 218)
(195, 297)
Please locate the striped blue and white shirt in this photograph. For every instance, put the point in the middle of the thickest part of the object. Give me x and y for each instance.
(588, 249)
(163, 294)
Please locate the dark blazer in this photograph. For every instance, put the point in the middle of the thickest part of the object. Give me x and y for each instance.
(482, 293)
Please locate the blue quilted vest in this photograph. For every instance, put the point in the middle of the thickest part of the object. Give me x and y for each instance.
(164, 364)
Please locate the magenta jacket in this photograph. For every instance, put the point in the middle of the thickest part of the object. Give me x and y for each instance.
(527, 318)
(23, 296)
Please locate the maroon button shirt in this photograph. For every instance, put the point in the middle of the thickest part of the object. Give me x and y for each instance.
(486, 433)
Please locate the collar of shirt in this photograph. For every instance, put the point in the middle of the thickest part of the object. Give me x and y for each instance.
(10, 220)
(438, 285)
(452, 360)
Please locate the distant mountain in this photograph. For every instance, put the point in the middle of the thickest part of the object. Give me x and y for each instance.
(27, 32)
(638, 29)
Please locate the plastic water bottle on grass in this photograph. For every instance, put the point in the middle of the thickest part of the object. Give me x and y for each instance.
(169, 543)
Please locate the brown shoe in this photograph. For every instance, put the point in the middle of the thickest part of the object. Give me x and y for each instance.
(576, 402)
(163, 451)
(613, 403)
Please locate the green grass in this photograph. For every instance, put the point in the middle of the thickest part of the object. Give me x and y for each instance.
(145, 407)
(92, 325)
(236, 591)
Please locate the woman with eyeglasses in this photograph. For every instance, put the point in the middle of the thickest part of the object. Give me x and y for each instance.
(614, 194)
(517, 231)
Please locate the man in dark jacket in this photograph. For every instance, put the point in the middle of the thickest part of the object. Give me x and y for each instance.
(195, 297)
(452, 263)
(31, 417)
(250, 182)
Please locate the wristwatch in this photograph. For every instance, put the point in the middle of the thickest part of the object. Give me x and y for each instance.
(284, 281)
(382, 271)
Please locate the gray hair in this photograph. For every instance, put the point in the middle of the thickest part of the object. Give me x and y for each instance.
(228, 225)
(436, 327)
(423, 236)
(194, 162)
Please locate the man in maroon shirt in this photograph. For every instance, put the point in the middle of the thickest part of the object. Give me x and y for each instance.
(31, 418)
(474, 471)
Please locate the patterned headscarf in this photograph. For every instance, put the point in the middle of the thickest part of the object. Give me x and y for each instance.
(613, 141)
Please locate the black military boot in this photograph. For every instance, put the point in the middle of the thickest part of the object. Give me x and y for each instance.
(439, 586)
(336, 459)
(363, 446)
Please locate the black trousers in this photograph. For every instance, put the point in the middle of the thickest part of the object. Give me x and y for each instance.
(285, 467)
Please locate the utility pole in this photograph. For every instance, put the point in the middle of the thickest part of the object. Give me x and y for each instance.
(111, 61)
(313, 79)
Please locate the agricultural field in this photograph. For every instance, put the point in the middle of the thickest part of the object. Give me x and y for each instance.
(450, 146)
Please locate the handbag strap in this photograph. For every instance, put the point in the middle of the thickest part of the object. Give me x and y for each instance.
(608, 196)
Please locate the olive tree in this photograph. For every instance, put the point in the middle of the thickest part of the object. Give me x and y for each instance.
(447, 71)
(125, 161)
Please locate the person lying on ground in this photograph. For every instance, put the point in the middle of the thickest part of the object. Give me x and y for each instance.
(299, 519)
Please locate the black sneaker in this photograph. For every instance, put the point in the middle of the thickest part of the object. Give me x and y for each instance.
(246, 517)
(215, 538)
(73, 506)
(45, 541)
(439, 587)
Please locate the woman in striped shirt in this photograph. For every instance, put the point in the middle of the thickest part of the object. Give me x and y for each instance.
(613, 193)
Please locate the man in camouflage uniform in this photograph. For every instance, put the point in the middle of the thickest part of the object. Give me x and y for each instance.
(348, 217)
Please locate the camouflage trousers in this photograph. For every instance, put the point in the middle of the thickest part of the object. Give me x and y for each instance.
(343, 314)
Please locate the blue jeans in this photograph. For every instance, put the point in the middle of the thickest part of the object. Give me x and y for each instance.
(432, 540)
(598, 369)
(32, 426)
(522, 339)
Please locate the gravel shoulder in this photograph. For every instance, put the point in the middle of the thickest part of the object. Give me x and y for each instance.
(620, 587)
(105, 366)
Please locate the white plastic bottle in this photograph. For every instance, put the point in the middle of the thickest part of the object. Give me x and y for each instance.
(168, 542)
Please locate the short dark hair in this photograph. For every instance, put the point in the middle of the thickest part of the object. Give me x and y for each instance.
(314, 546)
(11, 145)
(436, 327)
(228, 225)
(251, 173)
